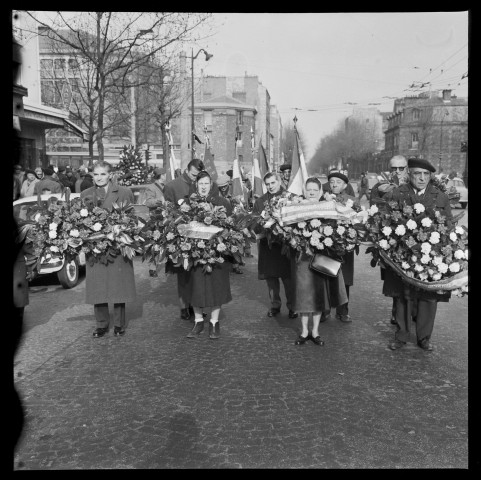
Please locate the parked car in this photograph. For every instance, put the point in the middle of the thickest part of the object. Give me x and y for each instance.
(67, 270)
(458, 185)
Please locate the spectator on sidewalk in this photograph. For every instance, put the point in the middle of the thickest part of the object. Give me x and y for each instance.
(363, 186)
(48, 183)
(29, 183)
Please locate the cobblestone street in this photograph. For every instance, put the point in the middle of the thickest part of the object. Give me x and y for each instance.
(252, 399)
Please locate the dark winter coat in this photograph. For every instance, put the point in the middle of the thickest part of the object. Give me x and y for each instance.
(433, 198)
(115, 282)
(271, 262)
(179, 188)
(87, 182)
(48, 182)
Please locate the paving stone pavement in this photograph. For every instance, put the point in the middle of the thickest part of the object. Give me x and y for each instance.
(252, 399)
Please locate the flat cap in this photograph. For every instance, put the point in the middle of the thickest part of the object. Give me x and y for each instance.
(159, 171)
(414, 162)
(285, 166)
(223, 180)
(338, 175)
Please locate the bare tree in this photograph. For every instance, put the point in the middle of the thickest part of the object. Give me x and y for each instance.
(111, 47)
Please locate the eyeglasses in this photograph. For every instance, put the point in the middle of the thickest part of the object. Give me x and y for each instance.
(401, 169)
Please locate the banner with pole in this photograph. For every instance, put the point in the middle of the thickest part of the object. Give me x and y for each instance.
(173, 163)
(299, 175)
(209, 164)
(237, 190)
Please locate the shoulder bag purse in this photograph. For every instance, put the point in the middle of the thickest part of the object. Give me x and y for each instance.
(326, 265)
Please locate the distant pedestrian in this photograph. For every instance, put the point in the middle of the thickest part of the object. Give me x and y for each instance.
(48, 183)
(114, 282)
(29, 183)
(363, 186)
(88, 180)
(39, 173)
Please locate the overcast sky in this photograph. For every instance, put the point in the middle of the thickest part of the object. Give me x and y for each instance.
(323, 61)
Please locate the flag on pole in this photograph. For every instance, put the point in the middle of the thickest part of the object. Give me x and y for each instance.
(173, 164)
(209, 164)
(237, 190)
(259, 169)
(299, 171)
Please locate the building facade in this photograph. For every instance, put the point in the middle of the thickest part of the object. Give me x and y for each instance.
(430, 126)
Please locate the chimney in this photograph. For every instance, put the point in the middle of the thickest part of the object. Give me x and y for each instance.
(447, 95)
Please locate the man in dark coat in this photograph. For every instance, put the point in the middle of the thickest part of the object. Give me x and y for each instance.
(88, 180)
(338, 183)
(114, 282)
(423, 303)
(326, 188)
(272, 264)
(363, 187)
(48, 183)
(398, 166)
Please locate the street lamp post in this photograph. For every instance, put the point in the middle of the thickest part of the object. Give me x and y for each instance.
(441, 141)
(208, 56)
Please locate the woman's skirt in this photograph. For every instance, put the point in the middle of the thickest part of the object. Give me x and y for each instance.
(313, 291)
(209, 289)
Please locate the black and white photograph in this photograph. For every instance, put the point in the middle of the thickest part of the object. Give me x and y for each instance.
(240, 240)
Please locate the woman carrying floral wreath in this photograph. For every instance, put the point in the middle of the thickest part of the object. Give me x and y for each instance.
(314, 294)
(112, 282)
(208, 290)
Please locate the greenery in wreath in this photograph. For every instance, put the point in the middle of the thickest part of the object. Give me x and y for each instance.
(131, 167)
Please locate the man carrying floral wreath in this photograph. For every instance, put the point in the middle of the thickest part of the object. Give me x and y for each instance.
(420, 304)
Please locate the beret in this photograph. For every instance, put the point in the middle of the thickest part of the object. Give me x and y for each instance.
(29, 171)
(285, 166)
(229, 173)
(338, 175)
(159, 171)
(223, 180)
(414, 162)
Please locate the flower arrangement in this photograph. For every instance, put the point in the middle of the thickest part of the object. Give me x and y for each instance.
(184, 234)
(68, 228)
(333, 237)
(132, 170)
(418, 244)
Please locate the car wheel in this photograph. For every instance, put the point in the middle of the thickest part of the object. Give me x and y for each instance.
(463, 204)
(69, 274)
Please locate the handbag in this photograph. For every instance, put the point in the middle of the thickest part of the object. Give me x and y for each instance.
(326, 265)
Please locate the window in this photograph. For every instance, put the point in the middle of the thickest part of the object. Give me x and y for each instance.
(72, 64)
(416, 114)
(414, 140)
(240, 117)
(59, 66)
(208, 119)
(46, 66)
(241, 158)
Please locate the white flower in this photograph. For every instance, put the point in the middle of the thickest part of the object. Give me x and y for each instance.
(418, 268)
(442, 268)
(84, 212)
(387, 231)
(426, 222)
(384, 244)
(315, 223)
(170, 236)
(37, 216)
(97, 226)
(453, 236)
(221, 247)
(423, 276)
(200, 243)
(53, 226)
(405, 265)
(459, 254)
(425, 247)
(425, 259)
(437, 276)
(459, 230)
(411, 224)
(419, 207)
(54, 248)
(414, 259)
(316, 234)
(454, 267)
(400, 230)
(180, 201)
(74, 232)
(340, 229)
(328, 242)
(328, 230)
(437, 260)
(306, 233)
(349, 203)
(373, 210)
(434, 238)
(52, 234)
(315, 241)
(302, 224)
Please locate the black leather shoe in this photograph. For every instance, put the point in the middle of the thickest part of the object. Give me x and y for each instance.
(184, 314)
(119, 331)
(197, 330)
(425, 345)
(153, 273)
(273, 312)
(317, 340)
(100, 332)
(396, 344)
(214, 330)
(344, 318)
(325, 316)
(301, 340)
(293, 314)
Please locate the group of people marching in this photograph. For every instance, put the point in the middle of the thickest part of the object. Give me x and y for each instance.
(308, 294)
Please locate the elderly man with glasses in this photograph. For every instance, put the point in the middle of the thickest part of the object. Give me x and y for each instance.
(423, 304)
(398, 166)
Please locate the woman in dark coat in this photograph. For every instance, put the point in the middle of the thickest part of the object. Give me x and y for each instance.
(114, 282)
(338, 183)
(209, 290)
(314, 293)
